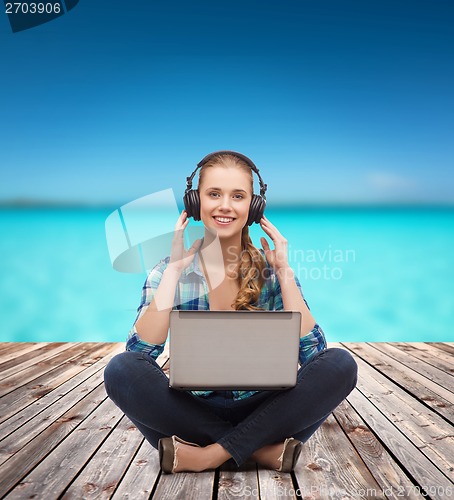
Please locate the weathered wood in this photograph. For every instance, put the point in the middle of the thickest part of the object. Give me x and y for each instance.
(431, 434)
(32, 357)
(436, 375)
(12, 350)
(23, 426)
(17, 376)
(438, 398)
(444, 346)
(26, 458)
(422, 471)
(22, 396)
(237, 483)
(60, 436)
(185, 486)
(428, 353)
(330, 467)
(103, 472)
(390, 477)
(141, 476)
(75, 439)
(275, 484)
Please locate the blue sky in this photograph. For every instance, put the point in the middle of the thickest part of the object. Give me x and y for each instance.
(336, 102)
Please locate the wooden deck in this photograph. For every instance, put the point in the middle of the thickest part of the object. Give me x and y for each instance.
(61, 437)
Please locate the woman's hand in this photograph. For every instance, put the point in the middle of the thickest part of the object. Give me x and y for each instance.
(278, 258)
(179, 257)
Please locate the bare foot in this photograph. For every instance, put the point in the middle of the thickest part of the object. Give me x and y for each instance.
(193, 459)
(269, 455)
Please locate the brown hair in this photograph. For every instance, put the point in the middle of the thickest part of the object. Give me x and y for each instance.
(251, 268)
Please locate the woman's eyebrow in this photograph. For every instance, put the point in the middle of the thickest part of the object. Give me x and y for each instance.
(219, 189)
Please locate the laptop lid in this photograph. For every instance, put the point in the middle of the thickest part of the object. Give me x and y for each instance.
(234, 350)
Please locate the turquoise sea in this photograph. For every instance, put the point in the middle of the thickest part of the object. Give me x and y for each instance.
(368, 274)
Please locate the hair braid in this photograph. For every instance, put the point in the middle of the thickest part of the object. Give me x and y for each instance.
(250, 275)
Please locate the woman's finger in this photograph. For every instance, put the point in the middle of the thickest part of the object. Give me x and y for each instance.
(268, 232)
(181, 218)
(265, 244)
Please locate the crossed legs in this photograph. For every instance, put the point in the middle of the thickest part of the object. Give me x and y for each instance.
(137, 385)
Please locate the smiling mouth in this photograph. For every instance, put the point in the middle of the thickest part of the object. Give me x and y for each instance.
(224, 221)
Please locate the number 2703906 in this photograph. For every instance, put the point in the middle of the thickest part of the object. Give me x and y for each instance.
(32, 8)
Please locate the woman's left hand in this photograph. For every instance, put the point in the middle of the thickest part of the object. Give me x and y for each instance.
(277, 258)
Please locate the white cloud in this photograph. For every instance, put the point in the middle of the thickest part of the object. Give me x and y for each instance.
(389, 180)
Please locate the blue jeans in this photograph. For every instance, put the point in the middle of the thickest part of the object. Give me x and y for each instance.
(138, 386)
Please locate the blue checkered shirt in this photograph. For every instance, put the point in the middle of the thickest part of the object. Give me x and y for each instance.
(192, 294)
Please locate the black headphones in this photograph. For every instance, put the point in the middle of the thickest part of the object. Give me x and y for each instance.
(191, 196)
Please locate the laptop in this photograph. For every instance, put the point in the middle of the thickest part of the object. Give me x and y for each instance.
(234, 350)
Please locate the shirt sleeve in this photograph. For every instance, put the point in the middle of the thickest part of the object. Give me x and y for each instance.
(312, 342)
(134, 342)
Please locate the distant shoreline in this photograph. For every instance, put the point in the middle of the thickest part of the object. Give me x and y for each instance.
(26, 204)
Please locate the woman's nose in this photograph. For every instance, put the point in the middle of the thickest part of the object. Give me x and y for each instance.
(225, 203)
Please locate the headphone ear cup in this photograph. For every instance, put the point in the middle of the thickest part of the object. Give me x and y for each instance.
(187, 204)
(191, 201)
(256, 209)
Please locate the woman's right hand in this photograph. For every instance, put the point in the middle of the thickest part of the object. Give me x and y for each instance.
(179, 257)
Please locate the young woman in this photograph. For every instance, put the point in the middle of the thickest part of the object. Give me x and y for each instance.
(200, 430)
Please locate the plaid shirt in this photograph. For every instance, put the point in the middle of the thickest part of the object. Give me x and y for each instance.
(192, 294)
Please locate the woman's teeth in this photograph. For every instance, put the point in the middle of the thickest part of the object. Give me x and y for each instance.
(224, 220)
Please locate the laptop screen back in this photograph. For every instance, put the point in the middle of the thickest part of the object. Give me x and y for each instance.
(234, 350)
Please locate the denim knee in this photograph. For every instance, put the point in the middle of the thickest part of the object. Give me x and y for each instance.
(347, 367)
(119, 371)
(114, 374)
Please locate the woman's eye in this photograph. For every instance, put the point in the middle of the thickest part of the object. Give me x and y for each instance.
(237, 196)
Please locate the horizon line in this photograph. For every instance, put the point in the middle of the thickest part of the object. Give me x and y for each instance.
(40, 203)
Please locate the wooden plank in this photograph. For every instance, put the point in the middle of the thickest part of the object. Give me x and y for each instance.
(237, 482)
(436, 397)
(73, 440)
(429, 354)
(26, 457)
(25, 424)
(22, 396)
(423, 472)
(6, 347)
(391, 479)
(103, 472)
(12, 350)
(185, 486)
(32, 357)
(330, 467)
(434, 374)
(275, 484)
(62, 411)
(444, 346)
(141, 476)
(32, 369)
(428, 431)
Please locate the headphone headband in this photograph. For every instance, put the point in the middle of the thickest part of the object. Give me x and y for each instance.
(208, 157)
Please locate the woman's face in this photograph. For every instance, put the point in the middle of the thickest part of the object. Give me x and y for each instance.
(225, 197)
